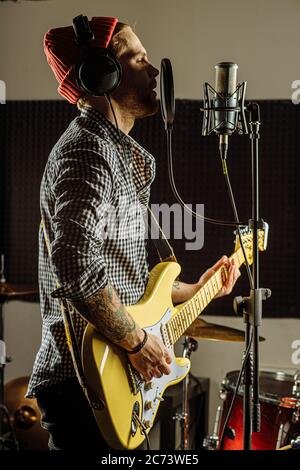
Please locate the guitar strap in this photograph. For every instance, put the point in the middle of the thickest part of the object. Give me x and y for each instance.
(164, 249)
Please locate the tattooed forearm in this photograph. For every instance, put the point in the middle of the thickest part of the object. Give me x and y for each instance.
(107, 314)
(181, 292)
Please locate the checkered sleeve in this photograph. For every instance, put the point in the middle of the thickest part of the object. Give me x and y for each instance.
(82, 190)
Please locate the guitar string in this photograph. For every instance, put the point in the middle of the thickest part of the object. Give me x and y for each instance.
(174, 322)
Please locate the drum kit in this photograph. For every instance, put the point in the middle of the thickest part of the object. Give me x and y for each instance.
(279, 398)
(280, 413)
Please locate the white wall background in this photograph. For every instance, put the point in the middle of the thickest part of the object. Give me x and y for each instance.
(261, 36)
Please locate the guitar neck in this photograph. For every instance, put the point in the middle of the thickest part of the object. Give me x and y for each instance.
(180, 322)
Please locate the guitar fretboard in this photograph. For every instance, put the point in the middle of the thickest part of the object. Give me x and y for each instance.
(180, 322)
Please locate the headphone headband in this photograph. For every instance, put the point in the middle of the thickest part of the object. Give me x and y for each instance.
(82, 30)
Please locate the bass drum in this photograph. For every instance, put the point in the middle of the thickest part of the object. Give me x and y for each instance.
(280, 412)
(24, 416)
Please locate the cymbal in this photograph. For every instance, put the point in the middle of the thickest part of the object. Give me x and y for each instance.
(200, 329)
(8, 290)
(25, 416)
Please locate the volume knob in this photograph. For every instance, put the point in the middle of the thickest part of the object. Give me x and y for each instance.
(148, 405)
(148, 386)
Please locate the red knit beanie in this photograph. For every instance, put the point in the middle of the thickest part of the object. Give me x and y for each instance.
(62, 53)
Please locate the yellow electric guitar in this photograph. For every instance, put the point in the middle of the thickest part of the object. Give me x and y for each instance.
(124, 405)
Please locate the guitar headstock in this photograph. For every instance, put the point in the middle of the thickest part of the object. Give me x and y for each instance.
(247, 240)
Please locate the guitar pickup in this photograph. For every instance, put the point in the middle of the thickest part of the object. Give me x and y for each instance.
(165, 332)
(136, 380)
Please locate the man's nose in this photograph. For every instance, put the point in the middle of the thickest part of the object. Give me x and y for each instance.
(154, 71)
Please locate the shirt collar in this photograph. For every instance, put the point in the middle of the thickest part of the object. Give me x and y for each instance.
(107, 126)
(112, 132)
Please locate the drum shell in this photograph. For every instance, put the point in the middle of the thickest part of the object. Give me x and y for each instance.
(278, 413)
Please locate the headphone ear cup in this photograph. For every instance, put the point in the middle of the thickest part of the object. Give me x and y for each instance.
(99, 72)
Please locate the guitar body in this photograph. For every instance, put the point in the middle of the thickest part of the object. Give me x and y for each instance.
(112, 381)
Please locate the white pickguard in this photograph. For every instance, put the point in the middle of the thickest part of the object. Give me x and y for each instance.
(154, 394)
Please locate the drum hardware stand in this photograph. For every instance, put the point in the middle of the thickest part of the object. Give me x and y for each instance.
(189, 345)
(243, 305)
(296, 394)
(212, 442)
(252, 305)
(279, 436)
(295, 443)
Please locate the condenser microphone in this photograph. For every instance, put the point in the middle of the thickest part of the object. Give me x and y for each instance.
(225, 86)
(225, 97)
(224, 105)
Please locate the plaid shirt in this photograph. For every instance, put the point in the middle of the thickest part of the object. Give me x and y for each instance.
(93, 203)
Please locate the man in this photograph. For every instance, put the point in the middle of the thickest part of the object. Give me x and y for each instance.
(92, 167)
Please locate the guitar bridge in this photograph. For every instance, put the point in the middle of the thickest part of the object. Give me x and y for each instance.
(136, 380)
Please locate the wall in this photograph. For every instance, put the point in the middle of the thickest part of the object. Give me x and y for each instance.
(262, 37)
(22, 333)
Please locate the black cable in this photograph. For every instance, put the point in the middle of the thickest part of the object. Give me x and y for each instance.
(226, 175)
(153, 218)
(107, 96)
(143, 429)
(250, 278)
(171, 175)
(236, 392)
(180, 200)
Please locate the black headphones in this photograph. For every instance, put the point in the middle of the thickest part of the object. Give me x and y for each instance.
(98, 71)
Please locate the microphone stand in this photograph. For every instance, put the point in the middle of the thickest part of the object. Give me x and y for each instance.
(252, 306)
(256, 293)
(189, 345)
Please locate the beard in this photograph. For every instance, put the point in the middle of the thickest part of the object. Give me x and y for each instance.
(138, 103)
(142, 107)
